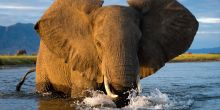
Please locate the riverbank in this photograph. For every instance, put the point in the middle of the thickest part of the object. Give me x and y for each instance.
(6, 60)
(196, 58)
(31, 60)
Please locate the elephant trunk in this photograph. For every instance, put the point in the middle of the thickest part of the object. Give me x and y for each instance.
(123, 77)
(121, 74)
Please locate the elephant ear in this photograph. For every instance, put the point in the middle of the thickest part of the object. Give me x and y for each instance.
(168, 30)
(66, 22)
(66, 31)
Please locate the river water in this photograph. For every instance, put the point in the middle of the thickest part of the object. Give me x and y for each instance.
(193, 86)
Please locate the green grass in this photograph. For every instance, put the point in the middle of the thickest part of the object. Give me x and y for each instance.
(17, 60)
(197, 57)
(31, 60)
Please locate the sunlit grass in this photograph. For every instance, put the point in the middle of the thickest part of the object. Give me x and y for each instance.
(30, 60)
(197, 57)
(17, 60)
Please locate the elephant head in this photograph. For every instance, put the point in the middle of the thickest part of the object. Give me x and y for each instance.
(117, 45)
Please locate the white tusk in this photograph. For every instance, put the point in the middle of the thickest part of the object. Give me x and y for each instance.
(109, 93)
(139, 84)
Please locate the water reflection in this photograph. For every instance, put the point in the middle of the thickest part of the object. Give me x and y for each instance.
(55, 104)
(180, 86)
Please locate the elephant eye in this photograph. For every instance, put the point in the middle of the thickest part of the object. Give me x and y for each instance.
(98, 44)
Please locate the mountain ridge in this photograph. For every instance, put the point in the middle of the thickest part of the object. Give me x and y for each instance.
(214, 50)
(23, 36)
(18, 36)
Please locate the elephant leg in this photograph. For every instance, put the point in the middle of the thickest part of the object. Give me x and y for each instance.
(42, 82)
(81, 86)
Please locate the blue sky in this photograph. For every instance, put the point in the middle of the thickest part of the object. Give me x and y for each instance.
(206, 11)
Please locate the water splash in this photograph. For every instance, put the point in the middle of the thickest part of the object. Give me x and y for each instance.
(154, 100)
(99, 99)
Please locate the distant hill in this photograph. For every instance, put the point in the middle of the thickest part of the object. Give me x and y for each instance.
(205, 50)
(23, 36)
(17, 37)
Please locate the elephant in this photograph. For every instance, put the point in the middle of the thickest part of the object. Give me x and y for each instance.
(87, 46)
(21, 52)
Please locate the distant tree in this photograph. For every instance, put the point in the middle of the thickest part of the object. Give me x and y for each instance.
(21, 52)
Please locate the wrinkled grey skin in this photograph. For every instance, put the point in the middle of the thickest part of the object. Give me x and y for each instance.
(117, 45)
(86, 46)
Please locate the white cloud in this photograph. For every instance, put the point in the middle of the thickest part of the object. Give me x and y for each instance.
(20, 7)
(209, 20)
(207, 32)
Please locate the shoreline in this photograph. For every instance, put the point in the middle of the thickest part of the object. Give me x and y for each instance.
(191, 61)
(17, 66)
(29, 61)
